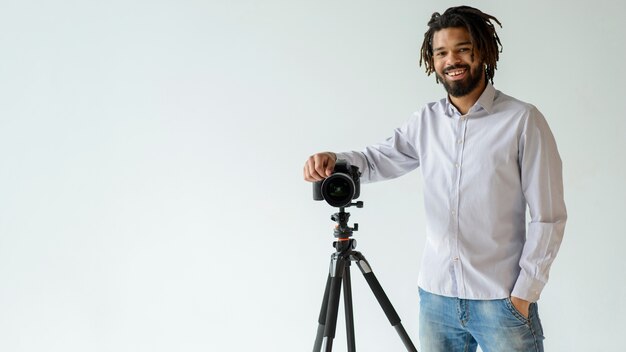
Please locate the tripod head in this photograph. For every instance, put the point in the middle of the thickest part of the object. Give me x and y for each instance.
(343, 231)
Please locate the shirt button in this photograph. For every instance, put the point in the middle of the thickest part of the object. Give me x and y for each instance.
(453, 212)
(456, 259)
(460, 141)
(457, 165)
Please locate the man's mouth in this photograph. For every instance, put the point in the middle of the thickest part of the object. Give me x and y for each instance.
(455, 73)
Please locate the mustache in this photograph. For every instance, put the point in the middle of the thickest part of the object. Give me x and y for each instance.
(456, 67)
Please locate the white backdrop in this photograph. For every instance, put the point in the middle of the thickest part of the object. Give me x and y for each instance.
(151, 152)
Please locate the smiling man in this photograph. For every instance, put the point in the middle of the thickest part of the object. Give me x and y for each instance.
(485, 158)
(456, 63)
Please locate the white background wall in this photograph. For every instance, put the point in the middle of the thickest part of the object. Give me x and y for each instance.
(151, 195)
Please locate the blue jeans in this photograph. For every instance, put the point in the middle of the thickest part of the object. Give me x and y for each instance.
(451, 324)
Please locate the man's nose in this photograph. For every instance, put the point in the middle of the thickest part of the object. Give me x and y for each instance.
(453, 59)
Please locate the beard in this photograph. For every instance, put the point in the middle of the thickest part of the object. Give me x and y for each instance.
(466, 86)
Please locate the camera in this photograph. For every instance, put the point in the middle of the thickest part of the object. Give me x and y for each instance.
(341, 187)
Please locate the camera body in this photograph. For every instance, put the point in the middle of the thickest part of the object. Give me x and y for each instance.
(341, 187)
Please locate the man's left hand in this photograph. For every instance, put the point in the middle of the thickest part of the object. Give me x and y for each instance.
(521, 305)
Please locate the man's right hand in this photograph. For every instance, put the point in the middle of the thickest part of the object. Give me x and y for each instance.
(319, 166)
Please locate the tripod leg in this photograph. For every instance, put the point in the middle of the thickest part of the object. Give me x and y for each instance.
(337, 269)
(322, 318)
(383, 300)
(347, 300)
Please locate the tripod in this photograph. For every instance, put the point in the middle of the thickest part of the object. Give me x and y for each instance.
(340, 272)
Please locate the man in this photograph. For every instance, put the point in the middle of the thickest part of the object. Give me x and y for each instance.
(485, 157)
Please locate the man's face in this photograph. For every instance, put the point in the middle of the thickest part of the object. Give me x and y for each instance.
(457, 63)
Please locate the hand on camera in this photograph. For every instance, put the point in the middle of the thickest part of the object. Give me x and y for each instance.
(319, 166)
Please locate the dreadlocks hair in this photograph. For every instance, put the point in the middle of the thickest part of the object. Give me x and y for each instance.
(482, 33)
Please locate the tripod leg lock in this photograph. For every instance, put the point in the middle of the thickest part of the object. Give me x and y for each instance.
(364, 266)
(361, 262)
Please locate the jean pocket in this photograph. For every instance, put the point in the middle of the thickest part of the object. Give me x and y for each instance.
(516, 313)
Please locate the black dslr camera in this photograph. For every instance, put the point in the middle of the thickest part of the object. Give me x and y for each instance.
(340, 188)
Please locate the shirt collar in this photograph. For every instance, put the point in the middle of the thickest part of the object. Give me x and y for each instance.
(486, 99)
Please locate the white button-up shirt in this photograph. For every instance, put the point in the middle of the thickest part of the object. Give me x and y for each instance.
(481, 171)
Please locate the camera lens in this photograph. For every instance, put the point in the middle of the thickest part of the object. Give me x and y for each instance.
(338, 190)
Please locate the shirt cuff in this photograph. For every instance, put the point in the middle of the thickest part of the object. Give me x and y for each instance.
(527, 288)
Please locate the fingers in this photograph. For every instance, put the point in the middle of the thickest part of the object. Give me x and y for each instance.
(319, 166)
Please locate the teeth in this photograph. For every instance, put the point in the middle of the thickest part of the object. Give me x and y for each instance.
(455, 73)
